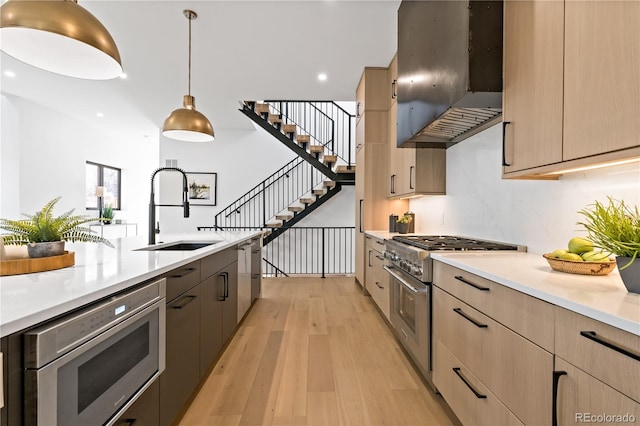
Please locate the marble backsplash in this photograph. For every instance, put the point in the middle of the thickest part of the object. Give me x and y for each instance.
(539, 214)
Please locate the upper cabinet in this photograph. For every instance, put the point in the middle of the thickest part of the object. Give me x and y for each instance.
(571, 85)
(372, 100)
(412, 171)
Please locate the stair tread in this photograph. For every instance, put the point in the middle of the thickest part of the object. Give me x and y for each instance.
(319, 191)
(345, 169)
(262, 108)
(307, 200)
(329, 183)
(327, 159)
(303, 138)
(274, 224)
(289, 128)
(275, 118)
(296, 208)
(284, 216)
(316, 149)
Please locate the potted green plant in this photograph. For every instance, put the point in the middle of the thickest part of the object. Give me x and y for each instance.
(615, 228)
(402, 224)
(107, 214)
(45, 235)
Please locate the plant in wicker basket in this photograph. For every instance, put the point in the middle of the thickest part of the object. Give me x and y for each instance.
(44, 227)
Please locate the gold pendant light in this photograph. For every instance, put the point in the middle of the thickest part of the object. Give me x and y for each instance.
(59, 36)
(187, 124)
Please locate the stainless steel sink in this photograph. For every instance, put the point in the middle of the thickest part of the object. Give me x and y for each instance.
(179, 246)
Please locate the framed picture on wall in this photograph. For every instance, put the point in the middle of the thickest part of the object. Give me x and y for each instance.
(202, 188)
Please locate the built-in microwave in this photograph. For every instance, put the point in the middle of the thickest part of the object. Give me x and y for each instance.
(88, 367)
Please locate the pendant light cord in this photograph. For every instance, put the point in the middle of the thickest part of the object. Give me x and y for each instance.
(190, 18)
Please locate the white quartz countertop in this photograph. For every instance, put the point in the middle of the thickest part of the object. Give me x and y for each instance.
(603, 298)
(26, 300)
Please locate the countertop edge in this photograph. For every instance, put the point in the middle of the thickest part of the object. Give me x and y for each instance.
(582, 309)
(55, 311)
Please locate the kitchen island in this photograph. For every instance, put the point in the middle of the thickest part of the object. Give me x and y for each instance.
(99, 271)
(102, 324)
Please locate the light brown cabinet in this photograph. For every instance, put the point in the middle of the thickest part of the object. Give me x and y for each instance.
(506, 364)
(377, 279)
(372, 207)
(572, 85)
(412, 171)
(595, 366)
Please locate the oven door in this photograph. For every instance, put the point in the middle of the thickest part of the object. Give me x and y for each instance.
(410, 316)
(94, 383)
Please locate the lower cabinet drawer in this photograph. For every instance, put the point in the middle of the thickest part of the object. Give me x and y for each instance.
(517, 371)
(584, 399)
(469, 399)
(607, 353)
(380, 292)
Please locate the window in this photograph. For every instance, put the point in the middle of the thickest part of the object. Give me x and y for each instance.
(107, 177)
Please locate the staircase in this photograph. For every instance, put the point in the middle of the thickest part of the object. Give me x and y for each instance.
(320, 134)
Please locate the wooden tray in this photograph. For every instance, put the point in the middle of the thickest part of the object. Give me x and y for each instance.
(41, 264)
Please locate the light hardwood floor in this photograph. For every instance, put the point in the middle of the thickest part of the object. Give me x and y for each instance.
(314, 351)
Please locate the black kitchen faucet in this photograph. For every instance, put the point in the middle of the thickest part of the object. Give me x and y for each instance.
(152, 202)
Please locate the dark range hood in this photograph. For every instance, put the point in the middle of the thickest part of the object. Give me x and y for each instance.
(449, 71)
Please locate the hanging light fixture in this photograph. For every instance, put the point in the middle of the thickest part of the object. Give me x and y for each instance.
(59, 36)
(187, 124)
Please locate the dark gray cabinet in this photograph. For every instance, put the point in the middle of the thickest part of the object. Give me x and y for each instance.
(182, 371)
(230, 304)
(145, 411)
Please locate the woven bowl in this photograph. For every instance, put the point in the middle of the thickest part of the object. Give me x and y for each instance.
(578, 267)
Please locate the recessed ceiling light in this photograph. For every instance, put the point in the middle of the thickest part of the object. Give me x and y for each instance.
(9, 73)
(322, 77)
(123, 75)
(99, 114)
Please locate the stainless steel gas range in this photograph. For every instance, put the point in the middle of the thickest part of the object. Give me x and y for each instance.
(410, 267)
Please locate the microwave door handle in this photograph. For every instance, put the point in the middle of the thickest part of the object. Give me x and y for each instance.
(402, 280)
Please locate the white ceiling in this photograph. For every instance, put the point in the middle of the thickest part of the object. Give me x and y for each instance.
(240, 50)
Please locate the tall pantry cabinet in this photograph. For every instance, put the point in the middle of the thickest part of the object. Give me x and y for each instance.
(372, 206)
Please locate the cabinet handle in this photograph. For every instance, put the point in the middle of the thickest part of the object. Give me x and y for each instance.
(368, 237)
(393, 184)
(411, 173)
(591, 335)
(379, 257)
(358, 110)
(361, 214)
(379, 242)
(255, 276)
(128, 422)
(379, 286)
(474, 285)
(468, 318)
(188, 298)
(475, 392)
(393, 89)
(504, 133)
(554, 402)
(183, 273)
(369, 259)
(225, 275)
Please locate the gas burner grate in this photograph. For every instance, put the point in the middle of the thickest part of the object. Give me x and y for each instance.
(452, 242)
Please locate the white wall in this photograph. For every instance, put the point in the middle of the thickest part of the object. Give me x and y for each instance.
(539, 214)
(44, 154)
(241, 158)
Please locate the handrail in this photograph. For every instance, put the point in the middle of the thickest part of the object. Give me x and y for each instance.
(335, 135)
